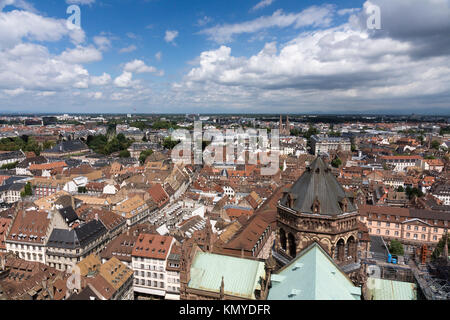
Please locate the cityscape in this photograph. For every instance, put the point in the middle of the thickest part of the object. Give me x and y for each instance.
(259, 176)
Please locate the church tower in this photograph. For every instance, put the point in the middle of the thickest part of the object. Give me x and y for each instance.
(317, 209)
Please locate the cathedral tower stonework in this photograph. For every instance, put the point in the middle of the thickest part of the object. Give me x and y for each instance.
(318, 209)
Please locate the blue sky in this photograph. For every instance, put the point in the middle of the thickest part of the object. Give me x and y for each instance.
(178, 56)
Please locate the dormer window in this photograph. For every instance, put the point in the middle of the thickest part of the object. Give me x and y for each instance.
(316, 206)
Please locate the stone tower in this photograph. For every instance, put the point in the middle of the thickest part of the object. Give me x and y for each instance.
(317, 209)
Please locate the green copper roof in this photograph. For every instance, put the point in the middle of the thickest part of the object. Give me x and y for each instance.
(241, 276)
(312, 276)
(381, 289)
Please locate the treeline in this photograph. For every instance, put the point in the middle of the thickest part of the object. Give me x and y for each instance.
(24, 143)
(157, 125)
(102, 145)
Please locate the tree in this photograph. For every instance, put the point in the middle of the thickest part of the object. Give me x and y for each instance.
(124, 154)
(144, 155)
(27, 192)
(295, 132)
(396, 248)
(400, 189)
(170, 144)
(440, 247)
(412, 192)
(9, 166)
(336, 162)
(435, 144)
(311, 131)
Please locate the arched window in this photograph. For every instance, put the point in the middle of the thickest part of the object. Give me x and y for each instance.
(339, 253)
(283, 241)
(351, 247)
(292, 245)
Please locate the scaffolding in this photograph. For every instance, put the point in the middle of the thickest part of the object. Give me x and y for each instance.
(433, 280)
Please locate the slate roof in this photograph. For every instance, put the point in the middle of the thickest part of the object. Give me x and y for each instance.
(68, 214)
(78, 237)
(318, 182)
(12, 187)
(12, 155)
(68, 146)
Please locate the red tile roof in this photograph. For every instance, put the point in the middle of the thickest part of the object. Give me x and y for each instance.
(158, 194)
(48, 166)
(30, 227)
(152, 246)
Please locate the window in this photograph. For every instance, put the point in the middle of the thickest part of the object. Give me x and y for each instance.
(434, 238)
(423, 237)
(424, 228)
(407, 235)
(408, 227)
(379, 224)
(416, 228)
(378, 231)
(370, 223)
(387, 232)
(435, 230)
(388, 224)
(415, 236)
(397, 225)
(396, 233)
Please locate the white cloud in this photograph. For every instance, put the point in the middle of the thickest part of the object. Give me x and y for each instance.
(32, 67)
(138, 66)
(262, 4)
(101, 80)
(158, 55)
(125, 80)
(312, 16)
(102, 42)
(128, 49)
(322, 68)
(46, 93)
(203, 21)
(18, 25)
(95, 95)
(82, 2)
(14, 92)
(170, 36)
(81, 55)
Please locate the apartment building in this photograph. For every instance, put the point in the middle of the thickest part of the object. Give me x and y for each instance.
(134, 210)
(401, 163)
(65, 248)
(11, 192)
(325, 144)
(149, 261)
(28, 235)
(412, 227)
(442, 192)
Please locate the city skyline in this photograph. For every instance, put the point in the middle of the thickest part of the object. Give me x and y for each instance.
(263, 57)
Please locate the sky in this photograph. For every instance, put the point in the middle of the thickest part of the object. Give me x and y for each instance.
(234, 56)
